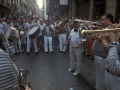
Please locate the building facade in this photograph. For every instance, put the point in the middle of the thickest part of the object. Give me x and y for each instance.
(5, 8)
(45, 16)
(87, 9)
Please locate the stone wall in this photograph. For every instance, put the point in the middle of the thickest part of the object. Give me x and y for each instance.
(111, 7)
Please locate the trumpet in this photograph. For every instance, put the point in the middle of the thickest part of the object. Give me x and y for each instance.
(93, 33)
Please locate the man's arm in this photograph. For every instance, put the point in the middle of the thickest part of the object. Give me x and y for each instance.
(113, 61)
(105, 44)
(68, 40)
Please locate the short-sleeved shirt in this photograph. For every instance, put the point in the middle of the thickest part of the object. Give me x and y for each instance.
(41, 26)
(75, 38)
(6, 26)
(27, 26)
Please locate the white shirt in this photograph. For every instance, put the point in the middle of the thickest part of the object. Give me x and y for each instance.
(28, 25)
(75, 38)
(1, 29)
(41, 26)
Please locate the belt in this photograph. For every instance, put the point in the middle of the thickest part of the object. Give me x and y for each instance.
(112, 74)
(99, 56)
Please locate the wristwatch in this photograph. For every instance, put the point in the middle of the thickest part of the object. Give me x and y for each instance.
(114, 44)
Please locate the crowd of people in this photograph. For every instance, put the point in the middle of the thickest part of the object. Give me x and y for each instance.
(22, 41)
(62, 36)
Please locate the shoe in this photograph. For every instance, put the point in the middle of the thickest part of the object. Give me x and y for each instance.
(17, 51)
(69, 70)
(60, 51)
(51, 51)
(36, 52)
(46, 52)
(75, 73)
(20, 50)
(28, 53)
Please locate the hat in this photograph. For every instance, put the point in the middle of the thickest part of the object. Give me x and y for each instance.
(76, 20)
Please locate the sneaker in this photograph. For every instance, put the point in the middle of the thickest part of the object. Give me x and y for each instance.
(17, 51)
(75, 73)
(20, 50)
(69, 70)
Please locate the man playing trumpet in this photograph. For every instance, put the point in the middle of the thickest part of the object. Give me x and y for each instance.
(99, 49)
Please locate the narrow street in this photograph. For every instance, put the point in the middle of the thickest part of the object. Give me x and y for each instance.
(49, 71)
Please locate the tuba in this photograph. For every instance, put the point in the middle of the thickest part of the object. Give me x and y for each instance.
(62, 27)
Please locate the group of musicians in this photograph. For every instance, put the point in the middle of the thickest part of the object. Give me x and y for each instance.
(105, 50)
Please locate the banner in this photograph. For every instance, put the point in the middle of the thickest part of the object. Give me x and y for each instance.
(63, 2)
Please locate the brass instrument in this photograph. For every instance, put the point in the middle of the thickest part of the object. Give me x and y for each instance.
(93, 33)
(62, 27)
(23, 78)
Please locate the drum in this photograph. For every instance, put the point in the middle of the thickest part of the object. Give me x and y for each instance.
(11, 33)
(34, 32)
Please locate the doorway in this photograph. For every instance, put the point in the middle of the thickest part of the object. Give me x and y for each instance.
(99, 7)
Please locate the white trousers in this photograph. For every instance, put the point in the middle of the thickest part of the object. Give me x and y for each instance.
(75, 56)
(34, 40)
(14, 45)
(62, 39)
(48, 42)
(112, 81)
(100, 72)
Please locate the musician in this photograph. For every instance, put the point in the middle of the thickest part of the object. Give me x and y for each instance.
(41, 38)
(62, 38)
(112, 62)
(48, 37)
(8, 73)
(7, 25)
(99, 49)
(16, 42)
(29, 25)
(76, 44)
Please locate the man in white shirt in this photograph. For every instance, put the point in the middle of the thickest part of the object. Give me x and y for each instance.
(76, 44)
(48, 37)
(29, 26)
(41, 26)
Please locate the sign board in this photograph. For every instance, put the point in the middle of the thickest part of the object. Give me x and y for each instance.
(63, 2)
